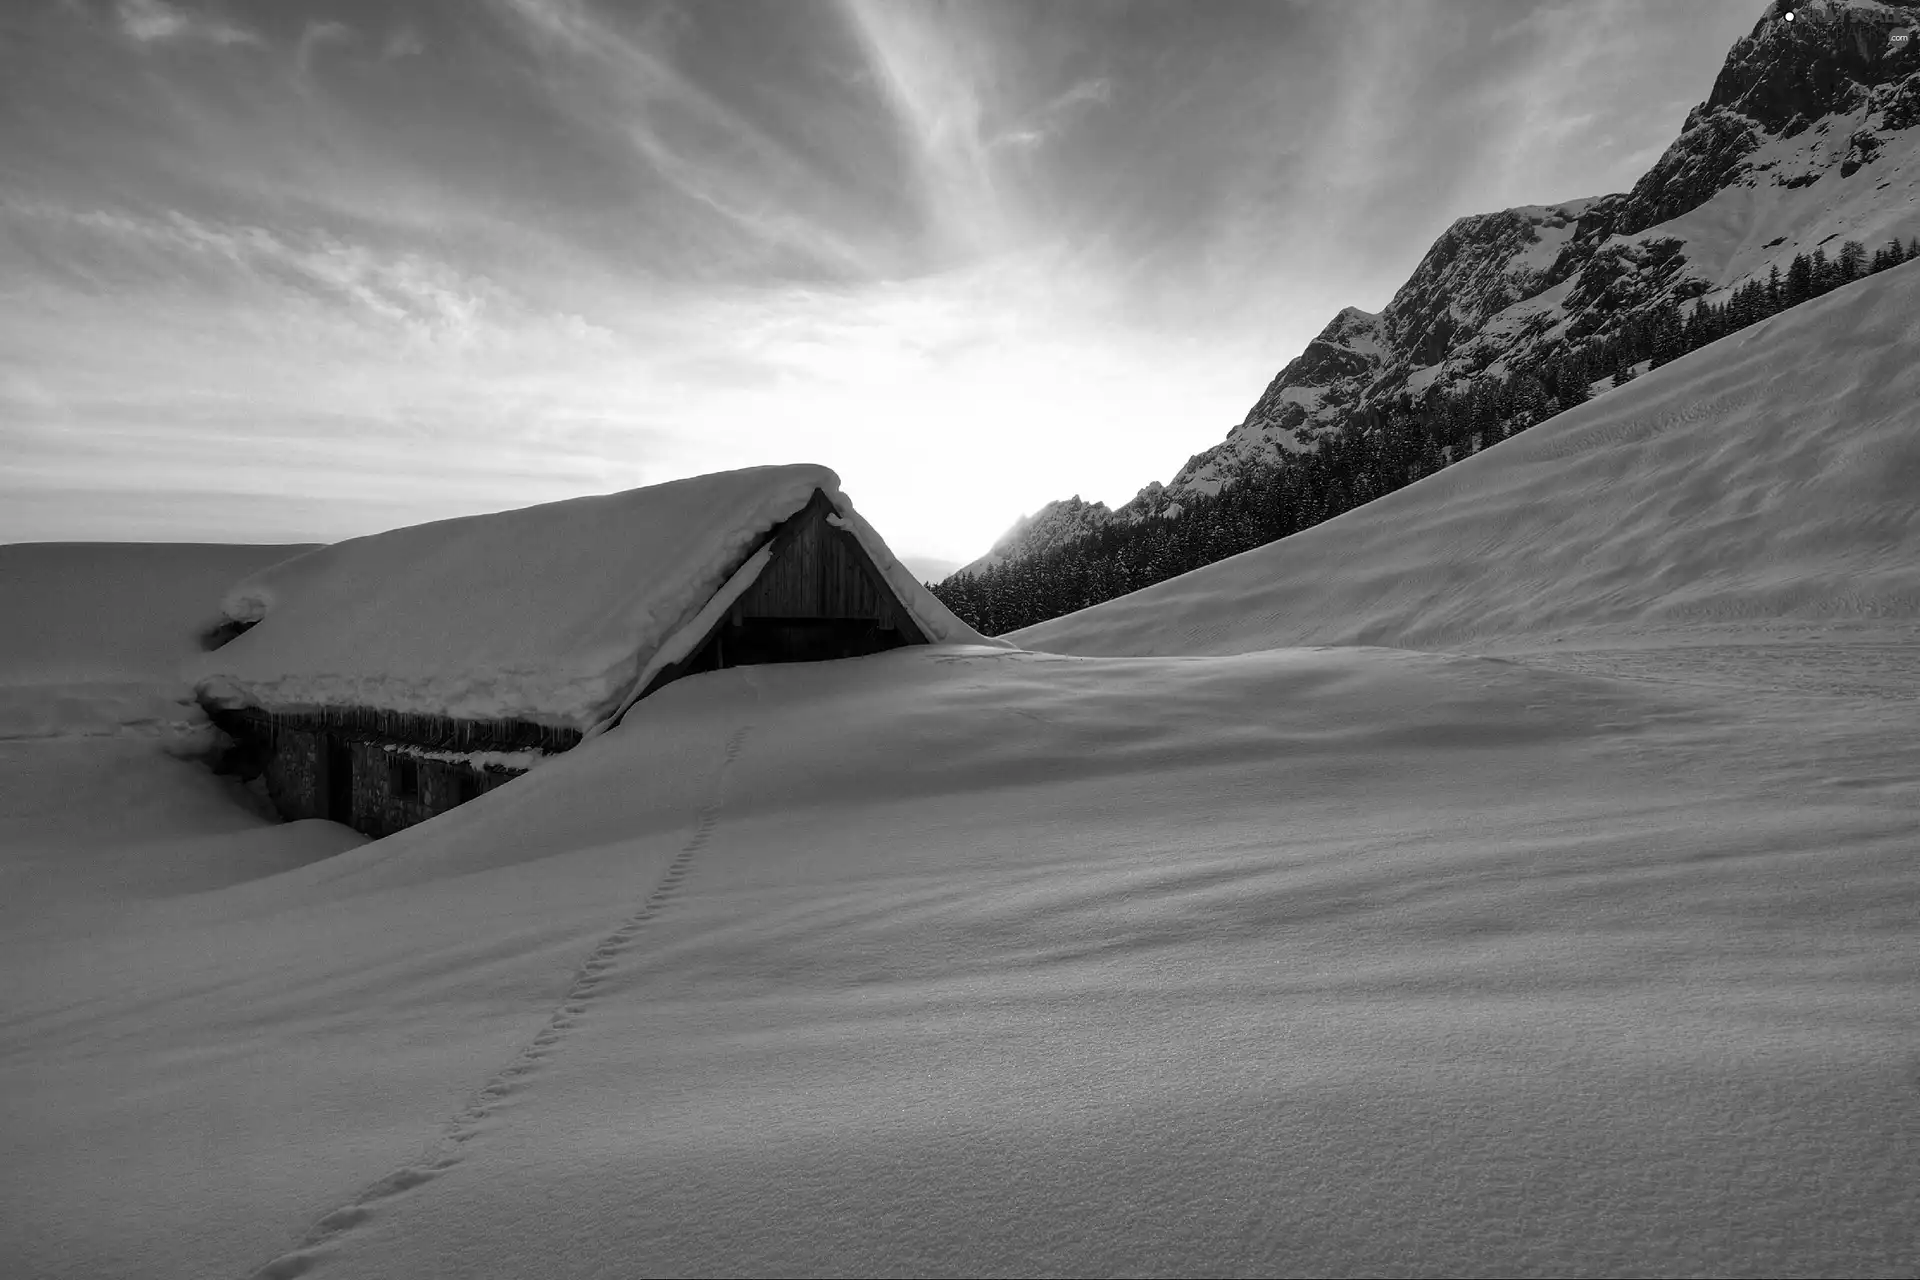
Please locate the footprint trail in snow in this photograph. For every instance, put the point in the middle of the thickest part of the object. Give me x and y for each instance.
(456, 1137)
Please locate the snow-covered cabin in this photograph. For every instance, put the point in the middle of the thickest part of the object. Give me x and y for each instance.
(382, 680)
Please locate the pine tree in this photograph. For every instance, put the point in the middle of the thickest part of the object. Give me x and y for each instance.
(1574, 383)
(1623, 361)
(1665, 339)
(1799, 280)
(1853, 260)
(1529, 397)
(1823, 271)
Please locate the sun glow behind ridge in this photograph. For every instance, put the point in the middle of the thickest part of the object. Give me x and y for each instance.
(283, 274)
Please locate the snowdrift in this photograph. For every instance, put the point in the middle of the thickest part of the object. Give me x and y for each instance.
(96, 637)
(79, 611)
(1769, 481)
(550, 613)
(968, 960)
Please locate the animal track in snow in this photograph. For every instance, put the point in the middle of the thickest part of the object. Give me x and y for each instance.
(450, 1147)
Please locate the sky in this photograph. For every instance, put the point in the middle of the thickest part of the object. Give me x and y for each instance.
(308, 269)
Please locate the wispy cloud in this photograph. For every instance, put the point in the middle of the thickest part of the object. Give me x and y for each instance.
(415, 296)
(316, 36)
(609, 78)
(1055, 117)
(404, 42)
(938, 94)
(149, 21)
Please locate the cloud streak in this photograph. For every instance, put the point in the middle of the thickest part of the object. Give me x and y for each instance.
(391, 261)
(411, 295)
(607, 78)
(156, 21)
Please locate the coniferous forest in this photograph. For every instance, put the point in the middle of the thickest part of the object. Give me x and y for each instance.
(1382, 448)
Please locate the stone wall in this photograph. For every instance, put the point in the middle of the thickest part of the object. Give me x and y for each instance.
(294, 767)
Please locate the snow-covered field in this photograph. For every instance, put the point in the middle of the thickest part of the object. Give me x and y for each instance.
(94, 637)
(1599, 955)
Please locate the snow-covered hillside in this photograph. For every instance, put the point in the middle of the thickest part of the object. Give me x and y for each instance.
(1597, 957)
(975, 961)
(1772, 479)
(1555, 912)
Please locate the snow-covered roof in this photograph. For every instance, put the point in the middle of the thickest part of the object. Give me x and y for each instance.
(556, 614)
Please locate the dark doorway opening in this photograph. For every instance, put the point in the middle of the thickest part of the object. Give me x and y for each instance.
(339, 780)
(753, 641)
(406, 777)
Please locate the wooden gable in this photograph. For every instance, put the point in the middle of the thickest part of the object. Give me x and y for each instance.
(820, 571)
(820, 597)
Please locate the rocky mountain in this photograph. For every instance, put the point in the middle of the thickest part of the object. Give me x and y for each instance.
(1809, 138)
(1057, 522)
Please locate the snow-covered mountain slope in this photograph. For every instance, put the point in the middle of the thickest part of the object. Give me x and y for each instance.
(99, 635)
(1773, 476)
(1810, 137)
(1484, 276)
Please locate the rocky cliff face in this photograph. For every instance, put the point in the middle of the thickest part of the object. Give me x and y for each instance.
(1808, 137)
(1477, 270)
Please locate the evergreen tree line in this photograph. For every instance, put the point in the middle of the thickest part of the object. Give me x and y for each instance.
(1381, 448)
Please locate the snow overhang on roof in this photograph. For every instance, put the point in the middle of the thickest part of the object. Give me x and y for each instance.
(554, 614)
